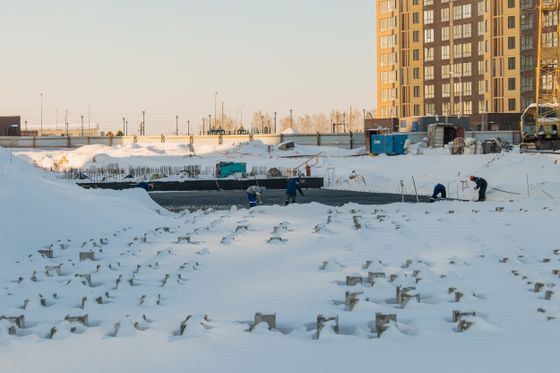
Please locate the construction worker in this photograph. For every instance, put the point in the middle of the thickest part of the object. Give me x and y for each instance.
(439, 193)
(254, 195)
(291, 189)
(481, 186)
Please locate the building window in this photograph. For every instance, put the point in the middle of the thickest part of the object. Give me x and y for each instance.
(511, 42)
(511, 104)
(429, 91)
(511, 4)
(526, 4)
(526, 21)
(430, 109)
(511, 63)
(445, 15)
(480, 67)
(467, 50)
(467, 11)
(416, 54)
(428, 54)
(428, 72)
(445, 92)
(457, 32)
(415, 36)
(428, 2)
(467, 69)
(445, 69)
(527, 84)
(480, 28)
(467, 31)
(445, 33)
(428, 17)
(467, 88)
(467, 107)
(445, 52)
(511, 22)
(457, 12)
(481, 47)
(527, 42)
(445, 108)
(481, 87)
(415, 18)
(429, 36)
(526, 63)
(416, 110)
(480, 8)
(416, 73)
(458, 51)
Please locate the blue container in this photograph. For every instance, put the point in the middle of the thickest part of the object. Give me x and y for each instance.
(224, 169)
(388, 144)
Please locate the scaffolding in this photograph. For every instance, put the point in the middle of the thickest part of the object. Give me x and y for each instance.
(548, 68)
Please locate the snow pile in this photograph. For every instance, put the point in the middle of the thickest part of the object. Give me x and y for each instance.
(37, 209)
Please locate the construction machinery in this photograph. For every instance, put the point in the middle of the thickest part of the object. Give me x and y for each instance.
(541, 121)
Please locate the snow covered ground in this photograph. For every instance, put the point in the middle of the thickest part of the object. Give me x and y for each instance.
(497, 263)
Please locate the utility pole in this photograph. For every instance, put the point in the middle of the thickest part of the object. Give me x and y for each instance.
(215, 111)
(274, 122)
(222, 123)
(56, 119)
(89, 120)
(241, 121)
(123, 125)
(176, 125)
(203, 125)
(262, 123)
(41, 133)
(143, 123)
(25, 125)
(350, 121)
(126, 128)
(65, 122)
(188, 127)
(82, 123)
(210, 121)
(291, 119)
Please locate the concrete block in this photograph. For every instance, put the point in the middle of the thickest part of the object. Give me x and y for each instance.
(269, 319)
(538, 287)
(458, 296)
(19, 320)
(353, 280)
(276, 239)
(184, 239)
(367, 264)
(458, 315)
(86, 278)
(49, 253)
(351, 299)
(504, 260)
(393, 277)
(499, 209)
(404, 294)
(548, 294)
(464, 325)
(49, 270)
(87, 255)
(382, 322)
(80, 319)
(372, 276)
(323, 320)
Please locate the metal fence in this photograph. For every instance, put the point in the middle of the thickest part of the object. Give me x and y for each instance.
(344, 141)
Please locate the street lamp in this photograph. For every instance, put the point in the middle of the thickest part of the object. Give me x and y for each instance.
(41, 133)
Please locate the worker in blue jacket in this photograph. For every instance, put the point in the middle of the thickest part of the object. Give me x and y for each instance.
(291, 189)
(439, 192)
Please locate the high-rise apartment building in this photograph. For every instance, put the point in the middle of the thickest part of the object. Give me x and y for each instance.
(473, 58)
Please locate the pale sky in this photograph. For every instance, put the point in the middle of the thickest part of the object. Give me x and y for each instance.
(168, 57)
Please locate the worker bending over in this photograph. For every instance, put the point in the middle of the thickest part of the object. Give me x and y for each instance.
(439, 193)
(481, 186)
(254, 195)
